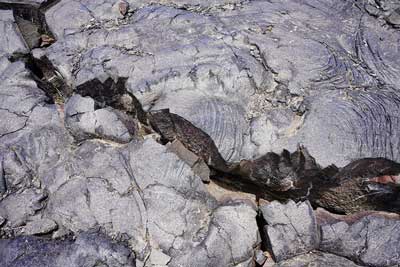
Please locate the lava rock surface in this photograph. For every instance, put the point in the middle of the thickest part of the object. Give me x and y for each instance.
(199, 133)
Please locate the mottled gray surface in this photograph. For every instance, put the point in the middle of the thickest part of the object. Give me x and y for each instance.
(88, 249)
(316, 259)
(291, 228)
(372, 240)
(230, 64)
(256, 76)
(85, 122)
(10, 36)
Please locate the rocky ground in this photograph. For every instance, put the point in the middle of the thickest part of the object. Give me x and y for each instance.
(199, 133)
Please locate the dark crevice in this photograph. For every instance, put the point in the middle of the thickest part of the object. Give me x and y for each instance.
(46, 77)
(30, 19)
(31, 22)
(265, 241)
(3, 184)
(261, 223)
(113, 94)
(242, 184)
(361, 185)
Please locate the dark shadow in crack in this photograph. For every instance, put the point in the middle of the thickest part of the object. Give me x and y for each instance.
(31, 22)
(113, 94)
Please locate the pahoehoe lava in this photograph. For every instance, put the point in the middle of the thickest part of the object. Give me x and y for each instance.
(199, 133)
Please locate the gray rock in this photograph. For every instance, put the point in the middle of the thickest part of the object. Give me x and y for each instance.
(157, 257)
(20, 96)
(291, 228)
(297, 64)
(130, 197)
(255, 76)
(88, 249)
(40, 226)
(198, 166)
(85, 122)
(10, 37)
(232, 226)
(369, 238)
(316, 259)
(394, 17)
(260, 257)
(326, 113)
(18, 207)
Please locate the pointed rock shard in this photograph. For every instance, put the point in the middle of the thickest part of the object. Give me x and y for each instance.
(173, 127)
(365, 184)
(280, 172)
(197, 164)
(41, 226)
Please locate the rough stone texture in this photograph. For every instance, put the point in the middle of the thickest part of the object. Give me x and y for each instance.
(17, 208)
(370, 239)
(40, 226)
(126, 190)
(291, 228)
(84, 121)
(77, 151)
(10, 36)
(365, 184)
(198, 165)
(223, 244)
(89, 249)
(130, 197)
(239, 69)
(316, 259)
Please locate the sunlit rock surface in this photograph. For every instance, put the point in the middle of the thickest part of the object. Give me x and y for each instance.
(89, 175)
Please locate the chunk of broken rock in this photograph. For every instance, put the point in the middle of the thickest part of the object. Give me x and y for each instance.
(316, 259)
(198, 165)
(225, 194)
(157, 257)
(41, 226)
(291, 228)
(84, 121)
(174, 127)
(369, 238)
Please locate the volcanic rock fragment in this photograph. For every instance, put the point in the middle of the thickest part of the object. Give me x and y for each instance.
(39, 226)
(197, 164)
(291, 228)
(172, 126)
(10, 37)
(280, 172)
(365, 184)
(84, 121)
(316, 258)
(18, 207)
(88, 249)
(368, 238)
(394, 18)
(123, 7)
